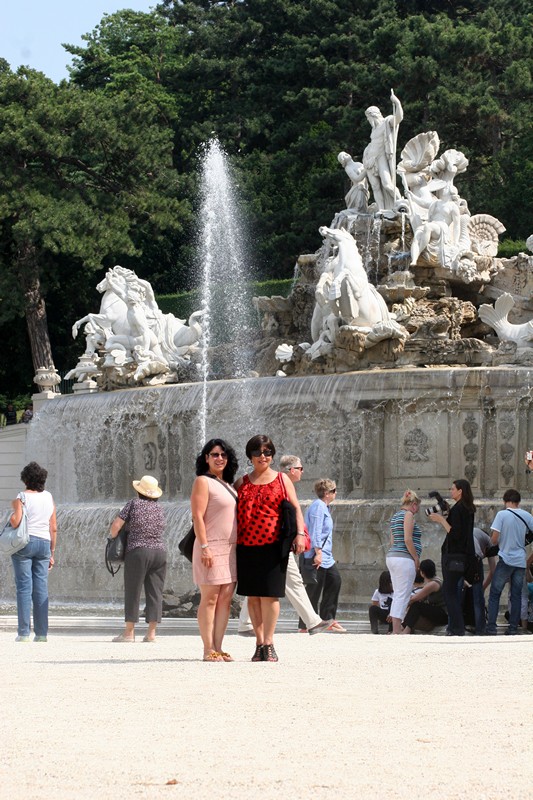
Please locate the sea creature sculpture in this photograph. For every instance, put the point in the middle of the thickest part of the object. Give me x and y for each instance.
(496, 317)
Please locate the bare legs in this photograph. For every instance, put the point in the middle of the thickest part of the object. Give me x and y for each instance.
(213, 615)
(264, 613)
(396, 625)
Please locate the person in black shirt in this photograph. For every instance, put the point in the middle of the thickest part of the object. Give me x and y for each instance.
(10, 414)
(458, 552)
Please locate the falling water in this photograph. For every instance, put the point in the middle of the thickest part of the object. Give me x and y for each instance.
(225, 276)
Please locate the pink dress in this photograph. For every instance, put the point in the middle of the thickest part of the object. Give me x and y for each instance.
(221, 527)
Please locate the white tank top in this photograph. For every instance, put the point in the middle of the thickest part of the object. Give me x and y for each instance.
(39, 509)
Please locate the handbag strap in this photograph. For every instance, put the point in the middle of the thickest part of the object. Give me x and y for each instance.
(225, 485)
(520, 518)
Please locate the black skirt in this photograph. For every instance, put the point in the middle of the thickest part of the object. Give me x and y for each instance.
(261, 571)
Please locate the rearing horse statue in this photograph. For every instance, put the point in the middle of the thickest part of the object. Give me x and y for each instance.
(343, 293)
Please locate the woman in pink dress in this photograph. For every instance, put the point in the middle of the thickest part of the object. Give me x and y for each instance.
(214, 563)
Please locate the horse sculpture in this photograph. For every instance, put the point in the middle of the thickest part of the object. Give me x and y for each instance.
(344, 290)
(131, 329)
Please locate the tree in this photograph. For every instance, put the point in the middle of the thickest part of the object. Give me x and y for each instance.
(284, 85)
(85, 178)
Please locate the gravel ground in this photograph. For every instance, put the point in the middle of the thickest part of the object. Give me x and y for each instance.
(340, 716)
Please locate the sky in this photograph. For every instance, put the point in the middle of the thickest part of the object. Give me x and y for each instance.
(31, 31)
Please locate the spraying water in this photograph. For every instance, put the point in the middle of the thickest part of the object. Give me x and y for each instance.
(225, 275)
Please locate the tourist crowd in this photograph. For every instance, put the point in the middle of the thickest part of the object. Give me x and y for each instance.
(250, 535)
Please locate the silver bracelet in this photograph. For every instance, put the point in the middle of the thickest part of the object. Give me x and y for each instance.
(203, 546)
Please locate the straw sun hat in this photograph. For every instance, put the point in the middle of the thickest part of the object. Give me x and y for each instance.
(147, 486)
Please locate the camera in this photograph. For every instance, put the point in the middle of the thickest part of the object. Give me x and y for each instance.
(440, 507)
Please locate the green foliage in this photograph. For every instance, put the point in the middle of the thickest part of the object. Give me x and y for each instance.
(87, 181)
(511, 247)
(104, 169)
(284, 85)
(182, 304)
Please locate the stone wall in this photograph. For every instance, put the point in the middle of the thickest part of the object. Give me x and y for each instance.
(12, 444)
(375, 433)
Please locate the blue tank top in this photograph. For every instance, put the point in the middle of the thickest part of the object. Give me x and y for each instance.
(398, 541)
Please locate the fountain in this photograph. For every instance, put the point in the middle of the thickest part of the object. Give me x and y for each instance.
(228, 321)
(412, 389)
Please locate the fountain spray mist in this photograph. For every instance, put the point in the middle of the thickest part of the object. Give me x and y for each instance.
(229, 321)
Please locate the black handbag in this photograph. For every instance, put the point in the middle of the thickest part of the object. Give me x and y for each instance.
(308, 571)
(288, 528)
(454, 562)
(186, 545)
(115, 550)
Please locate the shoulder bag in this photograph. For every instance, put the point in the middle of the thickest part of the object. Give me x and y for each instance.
(287, 514)
(14, 539)
(186, 545)
(529, 534)
(115, 550)
(308, 571)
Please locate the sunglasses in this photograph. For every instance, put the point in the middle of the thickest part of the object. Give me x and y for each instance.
(258, 453)
(300, 468)
(219, 455)
(333, 491)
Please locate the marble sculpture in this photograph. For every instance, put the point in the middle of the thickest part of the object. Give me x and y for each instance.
(130, 341)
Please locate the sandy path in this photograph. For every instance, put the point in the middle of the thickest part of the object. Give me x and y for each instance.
(355, 716)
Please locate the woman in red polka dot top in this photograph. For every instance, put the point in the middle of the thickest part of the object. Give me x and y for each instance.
(261, 570)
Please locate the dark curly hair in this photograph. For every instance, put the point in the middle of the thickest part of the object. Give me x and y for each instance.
(232, 464)
(257, 443)
(34, 477)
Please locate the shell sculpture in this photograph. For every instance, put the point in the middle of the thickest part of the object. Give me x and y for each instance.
(419, 152)
(484, 233)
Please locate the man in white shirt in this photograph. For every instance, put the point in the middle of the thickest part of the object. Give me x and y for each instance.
(508, 532)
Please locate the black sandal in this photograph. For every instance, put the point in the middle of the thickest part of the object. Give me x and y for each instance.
(269, 654)
(258, 655)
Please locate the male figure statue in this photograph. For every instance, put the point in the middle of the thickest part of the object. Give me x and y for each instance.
(508, 532)
(379, 157)
(294, 587)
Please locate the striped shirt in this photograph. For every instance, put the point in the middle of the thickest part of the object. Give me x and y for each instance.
(398, 546)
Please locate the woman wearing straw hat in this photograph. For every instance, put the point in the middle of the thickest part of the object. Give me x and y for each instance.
(146, 557)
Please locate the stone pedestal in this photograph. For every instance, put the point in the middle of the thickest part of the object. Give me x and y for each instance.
(41, 398)
(85, 387)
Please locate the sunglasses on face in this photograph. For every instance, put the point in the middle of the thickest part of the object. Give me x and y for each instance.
(258, 453)
(300, 468)
(219, 455)
(333, 491)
